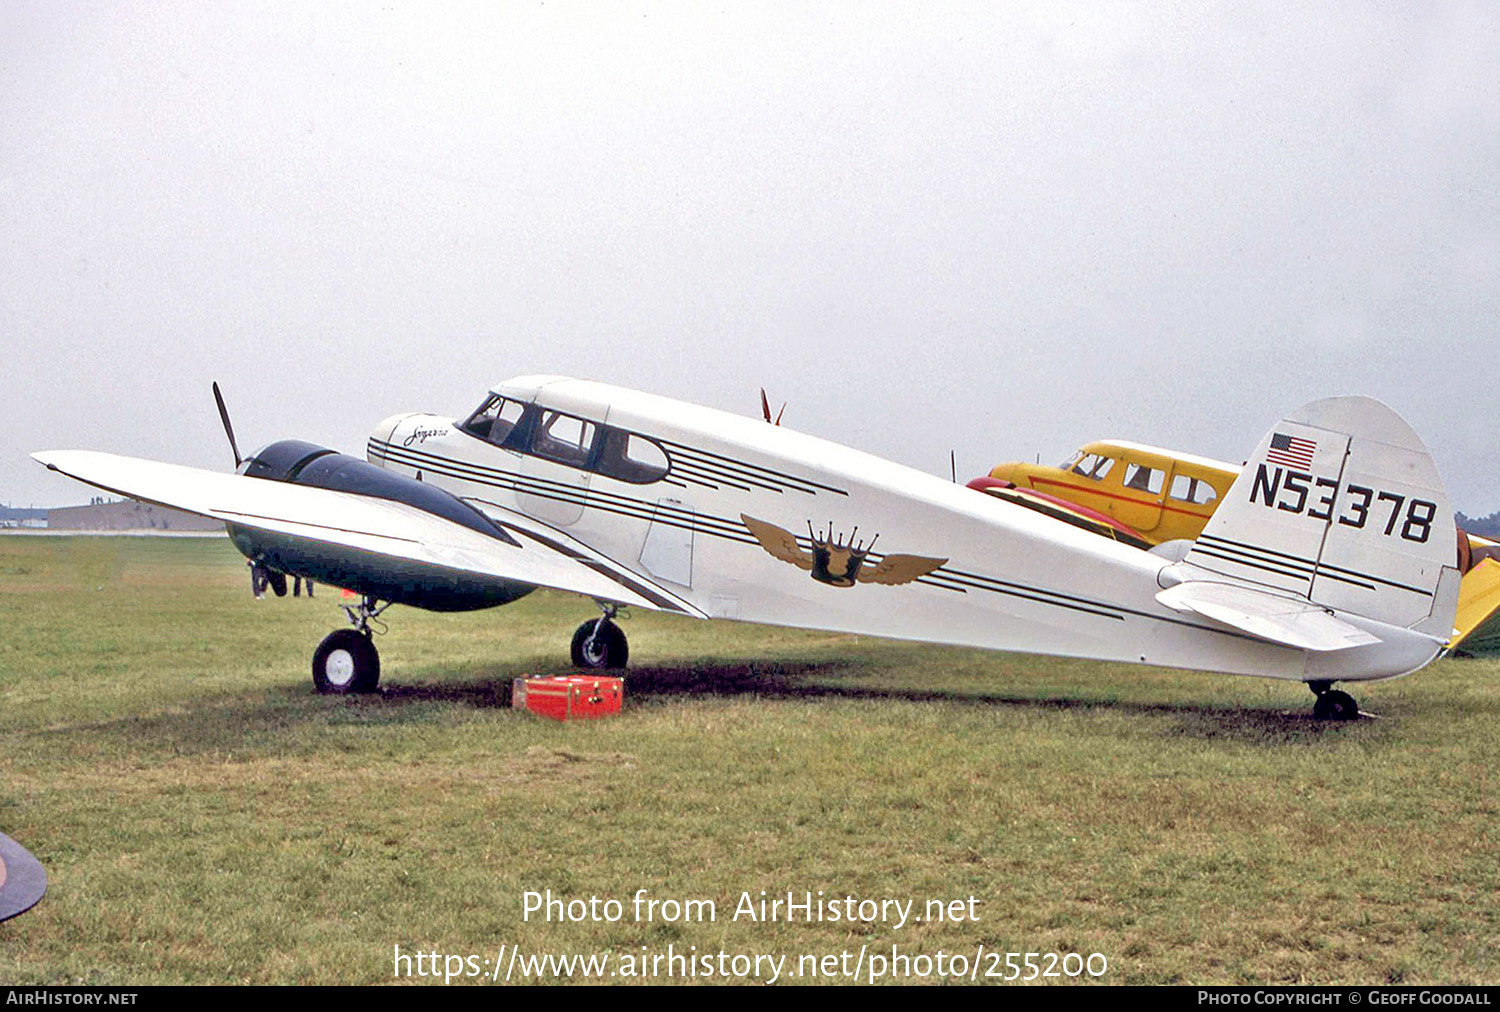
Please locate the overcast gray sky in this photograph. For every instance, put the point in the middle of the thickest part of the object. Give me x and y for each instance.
(1002, 229)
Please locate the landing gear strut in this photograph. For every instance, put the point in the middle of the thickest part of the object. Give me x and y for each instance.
(262, 577)
(1333, 704)
(347, 661)
(600, 643)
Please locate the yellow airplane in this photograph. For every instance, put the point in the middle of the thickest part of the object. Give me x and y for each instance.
(1161, 495)
(1145, 495)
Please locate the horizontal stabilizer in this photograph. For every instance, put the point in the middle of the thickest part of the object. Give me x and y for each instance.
(1292, 623)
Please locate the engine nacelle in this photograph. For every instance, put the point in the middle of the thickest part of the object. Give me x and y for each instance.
(422, 585)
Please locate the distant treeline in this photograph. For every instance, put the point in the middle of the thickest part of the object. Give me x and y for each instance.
(1485, 527)
(13, 513)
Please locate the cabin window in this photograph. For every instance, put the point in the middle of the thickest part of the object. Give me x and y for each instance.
(1192, 490)
(629, 457)
(1139, 478)
(1093, 465)
(564, 439)
(495, 419)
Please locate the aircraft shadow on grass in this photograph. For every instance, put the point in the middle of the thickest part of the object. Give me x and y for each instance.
(222, 725)
(793, 680)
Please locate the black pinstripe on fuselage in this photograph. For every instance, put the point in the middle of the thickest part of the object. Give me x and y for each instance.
(653, 511)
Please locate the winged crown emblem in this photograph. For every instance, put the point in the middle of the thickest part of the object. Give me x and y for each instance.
(837, 561)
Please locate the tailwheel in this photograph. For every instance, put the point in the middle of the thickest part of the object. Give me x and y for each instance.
(346, 662)
(1333, 704)
(600, 643)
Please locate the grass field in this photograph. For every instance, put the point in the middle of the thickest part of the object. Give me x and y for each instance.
(204, 817)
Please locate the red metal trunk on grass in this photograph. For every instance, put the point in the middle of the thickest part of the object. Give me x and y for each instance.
(569, 697)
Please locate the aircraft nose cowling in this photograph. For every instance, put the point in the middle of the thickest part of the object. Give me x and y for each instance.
(384, 431)
(406, 432)
(1004, 472)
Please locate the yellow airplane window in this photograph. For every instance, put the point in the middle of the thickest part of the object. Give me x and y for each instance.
(1192, 490)
(1143, 479)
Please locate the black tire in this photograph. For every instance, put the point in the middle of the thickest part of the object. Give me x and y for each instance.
(1335, 705)
(346, 662)
(277, 582)
(608, 649)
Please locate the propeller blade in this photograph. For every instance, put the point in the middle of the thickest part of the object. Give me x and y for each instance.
(765, 405)
(228, 429)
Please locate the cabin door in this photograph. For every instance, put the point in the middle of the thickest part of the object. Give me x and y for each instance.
(1139, 507)
(556, 483)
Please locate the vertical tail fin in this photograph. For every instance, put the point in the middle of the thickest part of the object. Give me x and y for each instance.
(1341, 505)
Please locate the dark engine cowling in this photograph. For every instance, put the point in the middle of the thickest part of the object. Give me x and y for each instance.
(383, 577)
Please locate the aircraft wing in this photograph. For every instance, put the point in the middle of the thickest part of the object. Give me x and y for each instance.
(390, 529)
(1292, 623)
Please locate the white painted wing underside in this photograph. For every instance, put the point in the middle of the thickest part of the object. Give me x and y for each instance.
(354, 521)
(1270, 617)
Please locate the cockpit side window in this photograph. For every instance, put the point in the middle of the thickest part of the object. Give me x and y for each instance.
(630, 457)
(565, 439)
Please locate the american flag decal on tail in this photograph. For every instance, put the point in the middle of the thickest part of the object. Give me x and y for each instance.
(1291, 451)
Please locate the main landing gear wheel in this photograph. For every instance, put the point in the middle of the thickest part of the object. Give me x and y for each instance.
(345, 662)
(600, 644)
(1333, 704)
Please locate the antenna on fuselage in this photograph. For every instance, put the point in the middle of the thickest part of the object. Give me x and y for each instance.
(228, 429)
(765, 408)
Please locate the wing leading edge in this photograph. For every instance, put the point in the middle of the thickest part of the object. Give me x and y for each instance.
(345, 520)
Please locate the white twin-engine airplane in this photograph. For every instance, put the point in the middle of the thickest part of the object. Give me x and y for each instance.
(1332, 559)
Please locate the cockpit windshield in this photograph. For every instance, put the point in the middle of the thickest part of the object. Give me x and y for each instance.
(1090, 465)
(494, 420)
